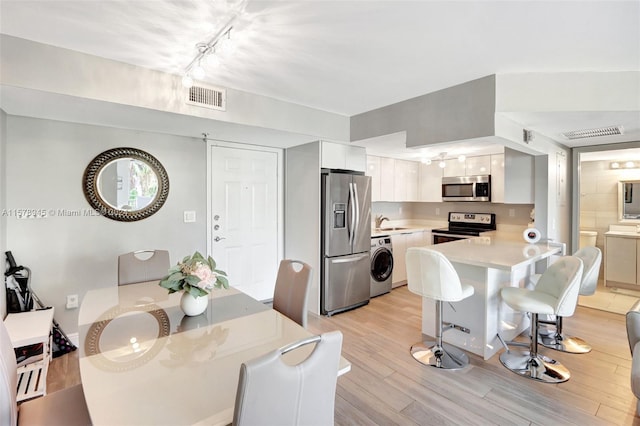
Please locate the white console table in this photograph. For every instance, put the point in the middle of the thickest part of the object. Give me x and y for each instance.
(29, 328)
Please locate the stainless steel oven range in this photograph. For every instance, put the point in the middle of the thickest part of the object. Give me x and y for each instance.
(464, 225)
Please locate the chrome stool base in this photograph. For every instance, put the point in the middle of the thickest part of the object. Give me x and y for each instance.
(539, 368)
(446, 356)
(572, 345)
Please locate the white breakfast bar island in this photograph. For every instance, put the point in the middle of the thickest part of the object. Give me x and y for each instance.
(489, 263)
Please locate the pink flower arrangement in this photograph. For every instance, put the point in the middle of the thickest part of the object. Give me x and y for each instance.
(196, 275)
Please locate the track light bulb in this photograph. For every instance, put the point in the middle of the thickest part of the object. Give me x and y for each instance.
(212, 60)
(187, 81)
(197, 72)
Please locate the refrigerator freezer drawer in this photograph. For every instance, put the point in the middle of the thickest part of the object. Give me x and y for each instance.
(346, 282)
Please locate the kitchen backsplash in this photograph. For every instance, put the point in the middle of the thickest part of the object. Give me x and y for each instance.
(506, 214)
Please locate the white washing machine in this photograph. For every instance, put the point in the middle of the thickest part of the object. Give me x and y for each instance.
(381, 265)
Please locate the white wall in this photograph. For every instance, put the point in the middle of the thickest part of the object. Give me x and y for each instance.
(47, 69)
(3, 203)
(71, 255)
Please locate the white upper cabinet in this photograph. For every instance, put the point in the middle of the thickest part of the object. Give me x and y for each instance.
(454, 167)
(512, 178)
(405, 181)
(393, 180)
(387, 173)
(373, 170)
(480, 165)
(497, 178)
(343, 157)
(430, 183)
(471, 166)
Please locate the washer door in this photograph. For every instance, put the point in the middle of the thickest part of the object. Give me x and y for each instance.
(381, 264)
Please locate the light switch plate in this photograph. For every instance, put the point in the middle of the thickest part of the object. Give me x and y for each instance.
(189, 216)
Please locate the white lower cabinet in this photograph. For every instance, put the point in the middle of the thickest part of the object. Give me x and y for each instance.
(621, 262)
(400, 243)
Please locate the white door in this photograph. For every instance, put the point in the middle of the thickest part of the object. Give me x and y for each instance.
(243, 216)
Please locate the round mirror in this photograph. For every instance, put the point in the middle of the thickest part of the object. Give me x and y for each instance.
(125, 184)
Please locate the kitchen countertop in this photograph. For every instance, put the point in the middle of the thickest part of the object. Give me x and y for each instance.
(513, 232)
(406, 227)
(496, 252)
(624, 231)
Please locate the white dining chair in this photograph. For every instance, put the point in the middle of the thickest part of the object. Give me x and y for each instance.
(271, 392)
(142, 265)
(66, 407)
(292, 290)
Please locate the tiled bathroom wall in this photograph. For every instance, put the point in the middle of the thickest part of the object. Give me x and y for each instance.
(599, 195)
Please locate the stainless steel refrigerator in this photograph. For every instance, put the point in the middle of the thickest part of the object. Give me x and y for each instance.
(346, 241)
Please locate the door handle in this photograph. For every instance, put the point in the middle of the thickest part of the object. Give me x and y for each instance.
(217, 238)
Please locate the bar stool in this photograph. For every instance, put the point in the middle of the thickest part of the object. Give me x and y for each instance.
(591, 258)
(431, 275)
(555, 294)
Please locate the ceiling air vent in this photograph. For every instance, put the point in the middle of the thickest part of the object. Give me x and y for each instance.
(593, 133)
(214, 98)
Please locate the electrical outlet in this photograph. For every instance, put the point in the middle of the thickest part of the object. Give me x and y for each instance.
(512, 212)
(72, 301)
(437, 211)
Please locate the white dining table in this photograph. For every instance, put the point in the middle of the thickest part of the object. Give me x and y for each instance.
(143, 362)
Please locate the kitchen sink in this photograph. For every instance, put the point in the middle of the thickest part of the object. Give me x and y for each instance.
(393, 228)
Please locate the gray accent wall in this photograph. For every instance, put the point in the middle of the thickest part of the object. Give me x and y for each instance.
(73, 251)
(461, 112)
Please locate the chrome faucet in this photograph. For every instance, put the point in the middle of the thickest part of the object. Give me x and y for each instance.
(379, 219)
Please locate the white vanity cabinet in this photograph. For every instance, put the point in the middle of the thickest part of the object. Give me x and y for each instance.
(621, 260)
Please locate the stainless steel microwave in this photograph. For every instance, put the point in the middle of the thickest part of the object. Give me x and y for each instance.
(466, 188)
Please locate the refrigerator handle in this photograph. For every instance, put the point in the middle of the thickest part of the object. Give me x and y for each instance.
(349, 259)
(357, 216)
(352, 202)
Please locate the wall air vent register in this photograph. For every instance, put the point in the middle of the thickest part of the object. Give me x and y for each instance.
(593, 133)
(213, 98)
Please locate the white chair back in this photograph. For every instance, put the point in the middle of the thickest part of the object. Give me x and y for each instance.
(272, 392)
(562, 281)
(430, 274)
(132, 269)
(592, 259)
(292, 290)
(8, 379)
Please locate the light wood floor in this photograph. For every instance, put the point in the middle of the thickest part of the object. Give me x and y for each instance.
(387, 386)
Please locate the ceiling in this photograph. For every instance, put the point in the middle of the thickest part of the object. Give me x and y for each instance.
(349, 57)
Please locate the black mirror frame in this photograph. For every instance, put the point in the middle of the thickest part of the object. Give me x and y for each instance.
(90, 182)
